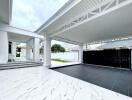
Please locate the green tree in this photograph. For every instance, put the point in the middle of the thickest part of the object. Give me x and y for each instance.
(57, 48)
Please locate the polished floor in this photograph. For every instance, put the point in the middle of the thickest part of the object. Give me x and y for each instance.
(39, 83)
(117, 80)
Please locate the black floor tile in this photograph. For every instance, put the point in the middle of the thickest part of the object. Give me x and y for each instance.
(114, 79)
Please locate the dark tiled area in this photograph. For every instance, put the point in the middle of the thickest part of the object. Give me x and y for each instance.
(118, 80)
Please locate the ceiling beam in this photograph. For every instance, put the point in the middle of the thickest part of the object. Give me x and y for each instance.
(10, 29)
(66, 40)
(10, 10)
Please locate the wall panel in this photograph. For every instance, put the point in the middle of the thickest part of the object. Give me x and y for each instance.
(115, 58)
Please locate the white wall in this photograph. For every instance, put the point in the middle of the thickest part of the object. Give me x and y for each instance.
(3, 47)
(69, 56)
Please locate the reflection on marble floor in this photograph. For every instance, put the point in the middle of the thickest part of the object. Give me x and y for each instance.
(56, 64)
(44, 84)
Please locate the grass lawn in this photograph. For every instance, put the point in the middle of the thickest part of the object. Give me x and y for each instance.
(60, 60)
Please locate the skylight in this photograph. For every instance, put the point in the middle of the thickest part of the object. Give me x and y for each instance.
(31, 14)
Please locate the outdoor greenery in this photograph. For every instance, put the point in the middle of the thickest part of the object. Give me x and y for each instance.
(57, 48)
(60, 60)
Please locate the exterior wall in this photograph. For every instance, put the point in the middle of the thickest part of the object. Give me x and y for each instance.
(69, 56)
(3, 47)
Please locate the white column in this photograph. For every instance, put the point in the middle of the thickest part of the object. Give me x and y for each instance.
(14, 50)
(29, 47)
(47, 52)
(36, 49)
(28, 51)
(80, 53)
(3, 47)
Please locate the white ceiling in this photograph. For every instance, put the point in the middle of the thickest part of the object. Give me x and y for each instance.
(5, 10)
(112, 25)
(77, 10)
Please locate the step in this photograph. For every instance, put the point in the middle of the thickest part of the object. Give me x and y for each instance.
(15, 67)
(17, 64)
(20, 65)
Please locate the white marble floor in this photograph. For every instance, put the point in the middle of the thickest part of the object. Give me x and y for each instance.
(39, 83)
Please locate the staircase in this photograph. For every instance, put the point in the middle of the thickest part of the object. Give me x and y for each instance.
(13, 65)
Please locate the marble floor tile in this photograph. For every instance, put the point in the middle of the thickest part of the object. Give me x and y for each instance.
(39, 83)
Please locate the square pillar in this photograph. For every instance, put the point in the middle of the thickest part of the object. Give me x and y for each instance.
(47, 52)
(3, 47)
(14, 50)
(36, 48)
(28, 50)
(80, 53)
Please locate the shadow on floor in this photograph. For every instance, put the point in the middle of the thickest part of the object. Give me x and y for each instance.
(117, 80)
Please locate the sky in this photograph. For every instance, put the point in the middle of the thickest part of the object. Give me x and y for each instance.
(31, 14)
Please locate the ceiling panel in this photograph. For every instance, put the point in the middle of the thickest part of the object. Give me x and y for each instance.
(81, 7)
(109, 26)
